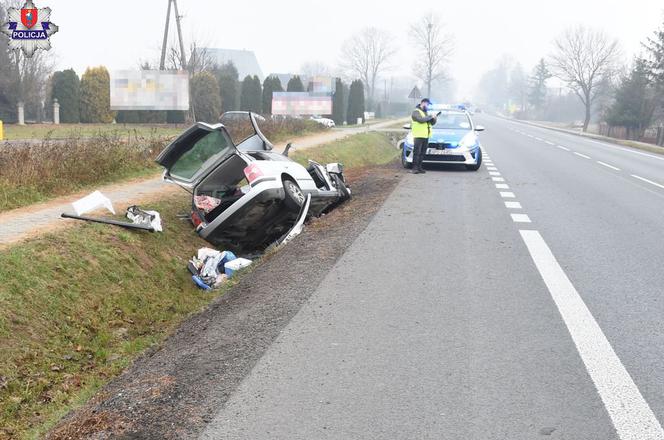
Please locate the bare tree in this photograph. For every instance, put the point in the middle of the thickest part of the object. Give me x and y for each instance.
(433, 49)
(586, 60)
(366, 55)
(315, 68)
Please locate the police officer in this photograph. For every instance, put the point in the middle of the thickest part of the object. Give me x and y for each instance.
(421, 130)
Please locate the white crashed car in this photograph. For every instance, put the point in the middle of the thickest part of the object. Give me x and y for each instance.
(244, 195)
(327, 122)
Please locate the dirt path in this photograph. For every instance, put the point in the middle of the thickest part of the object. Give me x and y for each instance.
(20, 224)
(174, 391)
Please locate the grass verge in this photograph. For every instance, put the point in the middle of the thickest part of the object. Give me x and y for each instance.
(358, 150)
(78, 306)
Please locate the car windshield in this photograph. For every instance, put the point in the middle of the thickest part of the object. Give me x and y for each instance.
(457, 121)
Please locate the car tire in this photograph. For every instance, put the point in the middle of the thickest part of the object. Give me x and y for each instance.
(341, 186)
(293, 196)
(476, 166)
(407, 165)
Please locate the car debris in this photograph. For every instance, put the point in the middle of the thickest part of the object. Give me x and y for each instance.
(140, 219)
(92, 202)
(109, 221)
(211, 268)
(245, 196)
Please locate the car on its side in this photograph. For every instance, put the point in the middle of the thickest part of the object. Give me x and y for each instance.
(453, 140)
(244, 195)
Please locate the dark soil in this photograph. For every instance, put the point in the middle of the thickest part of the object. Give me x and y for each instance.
(175, 390)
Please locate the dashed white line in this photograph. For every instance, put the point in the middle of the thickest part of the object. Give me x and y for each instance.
(632, 417)
(581, 155)
(562, 148)
(643, 179)
(498, 179)
(538, 139)
(507, 195)
(491, 168)
(608, 166)
(520, 218)
(550, 143)
(502, 186)
(512, 205)
(494, 173)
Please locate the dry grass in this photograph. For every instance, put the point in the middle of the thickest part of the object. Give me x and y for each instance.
(34, 172)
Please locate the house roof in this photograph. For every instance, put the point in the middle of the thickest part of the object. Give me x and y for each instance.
(245, 61)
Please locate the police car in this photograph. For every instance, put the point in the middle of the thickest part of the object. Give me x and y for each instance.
(453, 139)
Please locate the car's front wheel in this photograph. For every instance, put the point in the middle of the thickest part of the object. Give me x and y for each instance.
(475, 167)
(294, 197)
(404, 162)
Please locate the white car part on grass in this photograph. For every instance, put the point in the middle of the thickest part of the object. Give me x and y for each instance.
(91, 202)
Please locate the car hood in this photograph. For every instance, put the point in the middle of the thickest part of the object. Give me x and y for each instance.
(448, 136)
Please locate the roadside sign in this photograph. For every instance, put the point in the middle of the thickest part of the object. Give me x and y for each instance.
(415, 93)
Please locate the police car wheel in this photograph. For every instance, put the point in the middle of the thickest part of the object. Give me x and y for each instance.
(404, 162)
(476, 166)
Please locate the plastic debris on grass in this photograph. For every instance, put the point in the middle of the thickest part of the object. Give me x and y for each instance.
(211, 268)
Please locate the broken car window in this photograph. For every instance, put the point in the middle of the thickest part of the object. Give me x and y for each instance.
(211, 145)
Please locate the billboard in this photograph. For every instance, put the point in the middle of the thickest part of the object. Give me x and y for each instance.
(301, 103)
(149, 90)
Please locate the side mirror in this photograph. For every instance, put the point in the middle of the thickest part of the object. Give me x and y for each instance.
(406, 126)
(479, 128)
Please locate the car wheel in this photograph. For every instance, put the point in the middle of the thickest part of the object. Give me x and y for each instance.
(476, 166)
(294, 197)
(343, 189)
(404, 162)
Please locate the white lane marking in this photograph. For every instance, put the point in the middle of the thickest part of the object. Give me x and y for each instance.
(512, 205)
(648, 181)
(550, 143)
(502, 186)
(498, 179)
(608, 166)
(520, 218)
(582, 155)
(632, 417)
(507, 195)
(538, 139)
(563, 148)
(491, 168)
(494, 173)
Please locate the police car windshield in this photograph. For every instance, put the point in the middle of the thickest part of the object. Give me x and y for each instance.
(452, 121)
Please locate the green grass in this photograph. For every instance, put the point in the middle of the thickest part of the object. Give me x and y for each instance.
(68, 131)
(353, 151)
(78, 306)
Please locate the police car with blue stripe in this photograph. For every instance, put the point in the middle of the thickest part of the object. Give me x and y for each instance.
(453, 140)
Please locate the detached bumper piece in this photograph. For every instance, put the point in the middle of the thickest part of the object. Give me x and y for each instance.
(108, 221)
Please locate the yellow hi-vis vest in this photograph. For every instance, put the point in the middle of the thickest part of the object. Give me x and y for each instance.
(420, 129)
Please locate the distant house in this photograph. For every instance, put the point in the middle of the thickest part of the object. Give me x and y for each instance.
(244, 60)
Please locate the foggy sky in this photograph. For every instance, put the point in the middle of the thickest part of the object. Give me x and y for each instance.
(285, 34)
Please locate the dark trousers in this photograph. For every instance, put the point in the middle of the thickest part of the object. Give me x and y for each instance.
(419, 150)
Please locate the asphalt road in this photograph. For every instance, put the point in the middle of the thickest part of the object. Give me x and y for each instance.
(467, 310)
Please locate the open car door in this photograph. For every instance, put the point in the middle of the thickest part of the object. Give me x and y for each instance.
(244, 130)
(196, 152)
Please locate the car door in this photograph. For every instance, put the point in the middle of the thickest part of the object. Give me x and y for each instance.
(195, 153)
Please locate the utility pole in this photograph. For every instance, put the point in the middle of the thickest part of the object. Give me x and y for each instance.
(183, 56)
